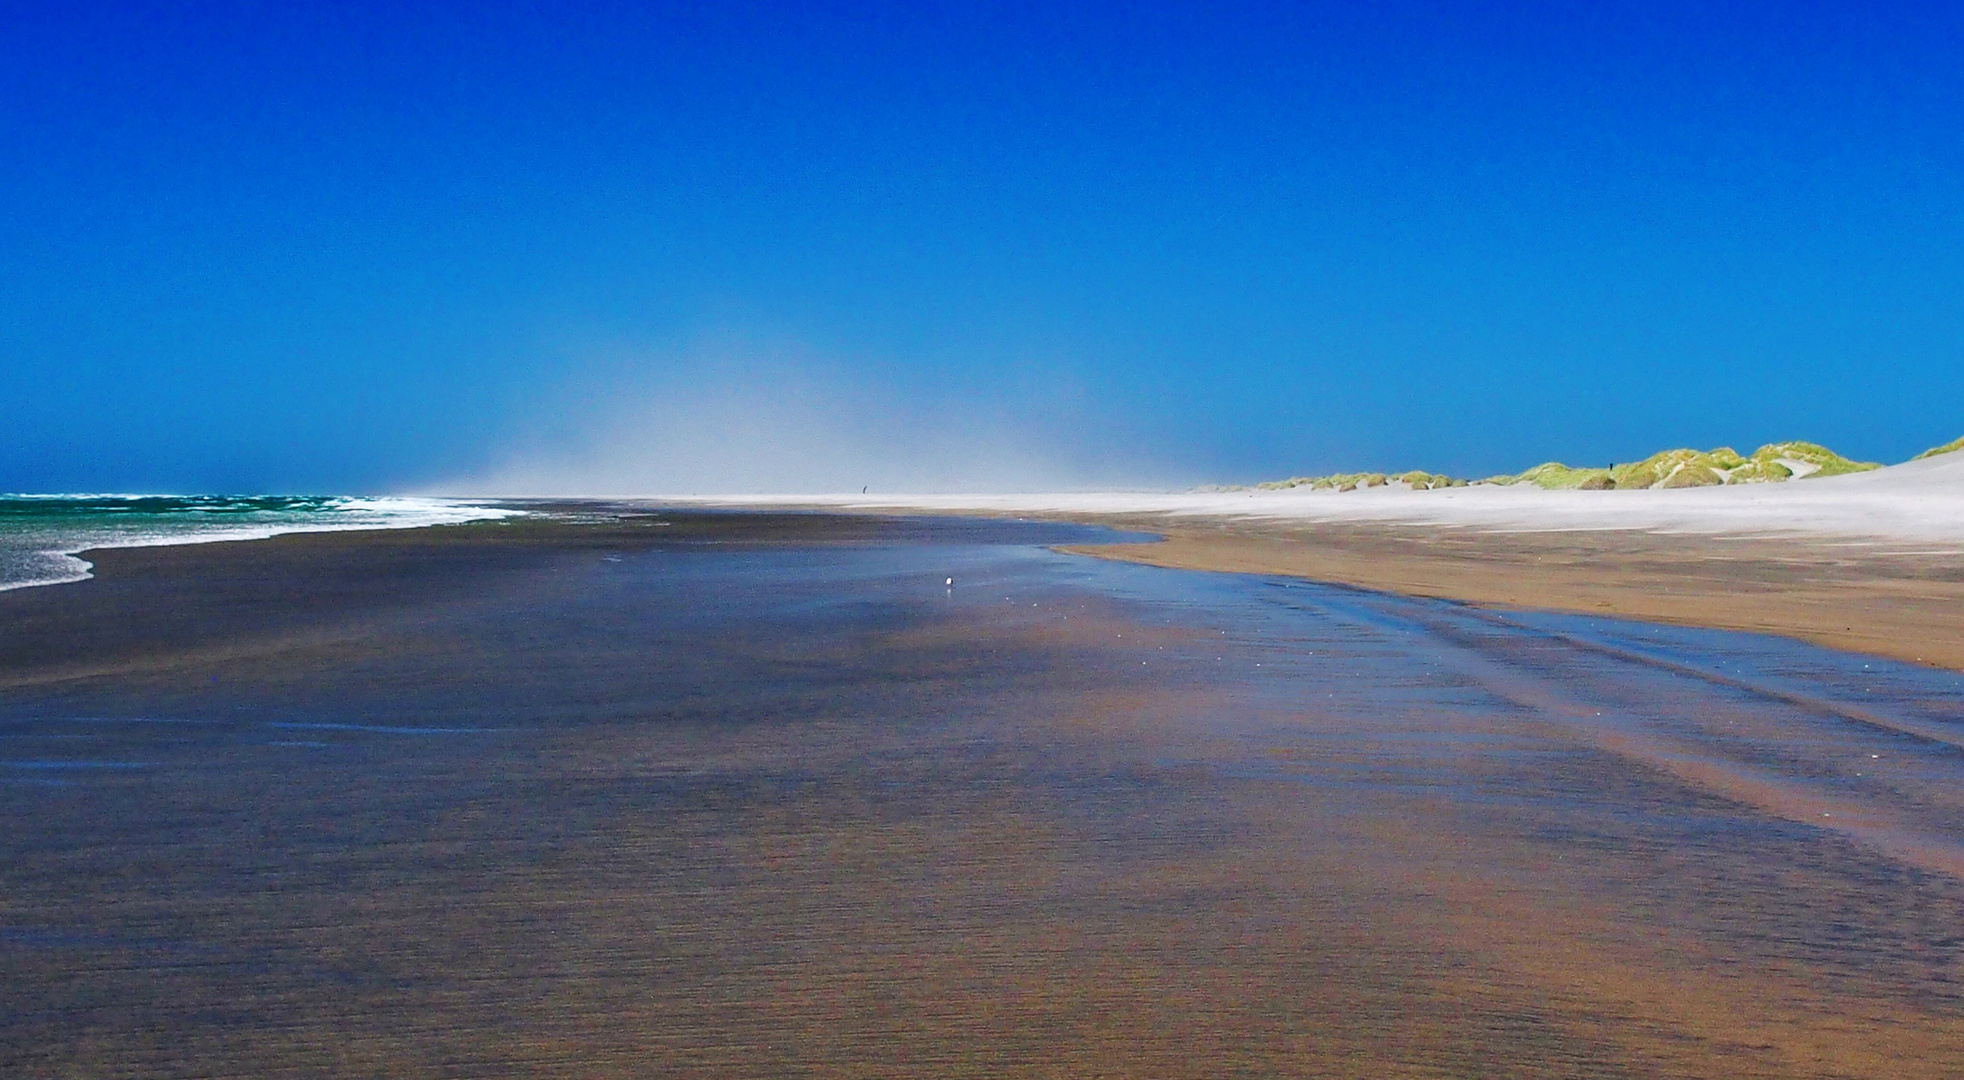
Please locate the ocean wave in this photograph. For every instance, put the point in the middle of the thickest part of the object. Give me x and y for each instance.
(42, 536)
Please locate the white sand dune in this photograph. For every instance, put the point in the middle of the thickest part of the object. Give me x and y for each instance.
(1920, 501)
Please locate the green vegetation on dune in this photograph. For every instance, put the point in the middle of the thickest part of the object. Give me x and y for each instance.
(1682, 468)
(1762, 471)
(1556, 476)
(1685, 468)
(1948, 448)
(1415, 480)
(1826, 461)
(1693, 476)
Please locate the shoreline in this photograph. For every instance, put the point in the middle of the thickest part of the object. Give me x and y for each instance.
(176, 529)
(1866, 596)
(1890, 597)
(1870, 563)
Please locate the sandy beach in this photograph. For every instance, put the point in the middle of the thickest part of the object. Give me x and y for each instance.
(720, 795)
(1872, 562)
(1854, 595)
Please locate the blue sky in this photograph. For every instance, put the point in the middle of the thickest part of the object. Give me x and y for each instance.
(335, 248)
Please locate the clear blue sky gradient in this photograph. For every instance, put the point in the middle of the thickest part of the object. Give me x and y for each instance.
(334, 247)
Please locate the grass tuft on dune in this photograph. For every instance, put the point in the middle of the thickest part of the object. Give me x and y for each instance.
(1950, 447)
(1680, 468)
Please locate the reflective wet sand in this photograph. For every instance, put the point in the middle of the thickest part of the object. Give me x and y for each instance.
(1894, 598)
(736, 796)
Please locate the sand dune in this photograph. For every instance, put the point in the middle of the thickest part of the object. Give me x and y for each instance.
(1919, 501)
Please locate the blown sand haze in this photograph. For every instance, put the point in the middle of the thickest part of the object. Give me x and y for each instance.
(1919, 501)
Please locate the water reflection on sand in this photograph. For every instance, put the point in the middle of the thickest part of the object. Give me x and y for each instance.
(761, 809)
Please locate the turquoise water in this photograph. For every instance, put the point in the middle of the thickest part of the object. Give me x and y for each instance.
(42, 536)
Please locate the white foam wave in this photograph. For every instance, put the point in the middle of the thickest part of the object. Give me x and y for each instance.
(50, 554)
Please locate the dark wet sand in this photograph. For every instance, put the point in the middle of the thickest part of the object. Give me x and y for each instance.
(756, 796)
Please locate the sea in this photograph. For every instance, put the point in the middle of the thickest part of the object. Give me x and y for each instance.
(42, 537)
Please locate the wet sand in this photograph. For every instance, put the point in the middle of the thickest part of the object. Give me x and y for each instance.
(751, 795)
(1897, 599)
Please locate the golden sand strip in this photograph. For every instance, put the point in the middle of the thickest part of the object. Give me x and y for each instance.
(1884, 600)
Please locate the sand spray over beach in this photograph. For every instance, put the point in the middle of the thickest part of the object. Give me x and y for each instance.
(739, 414)
(1917, 502)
